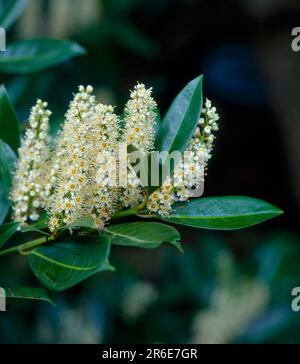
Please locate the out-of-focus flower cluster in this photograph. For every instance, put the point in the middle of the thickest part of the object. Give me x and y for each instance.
(137, 298)
(234, 304)
(79, 175)
(71, 325)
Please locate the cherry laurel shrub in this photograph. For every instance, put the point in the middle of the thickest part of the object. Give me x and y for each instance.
(66, 190)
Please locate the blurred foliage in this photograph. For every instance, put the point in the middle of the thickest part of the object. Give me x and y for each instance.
(170, 302)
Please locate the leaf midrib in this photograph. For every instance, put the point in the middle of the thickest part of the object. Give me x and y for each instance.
(37, 58)
(9, 230)
(29, 297)
(183, 119)
(129, 237)
(7, 59)
(222, 216)
(72, 267)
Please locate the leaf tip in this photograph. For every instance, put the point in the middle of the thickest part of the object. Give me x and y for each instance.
(177, 245)
(110, 268)
(52, 303)
(81, 51)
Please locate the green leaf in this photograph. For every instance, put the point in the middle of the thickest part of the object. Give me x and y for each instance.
(222, 213)
(9, 123)
(177, 128)
(7, 161)
(34, 55)
(63, 264)
(4, 204)
(10, 10)
(179, 124)
(28, 293)
(148, 235)
(7, 231)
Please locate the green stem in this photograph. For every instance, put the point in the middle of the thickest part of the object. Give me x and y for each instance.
(146, 216)
(130, 212)
(22, 248)
(126, 213)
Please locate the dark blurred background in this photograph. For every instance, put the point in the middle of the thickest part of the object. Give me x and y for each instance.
(227, 287)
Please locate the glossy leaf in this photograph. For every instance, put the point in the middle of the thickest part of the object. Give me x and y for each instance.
(34, 55)
(7, 231)
(7, 161)
(63, 264)
(10, 10)
(4, 204)
(180, 121)
(177, 128)
(29, 293)
(9, 123)
(147, 235)
(222, 213)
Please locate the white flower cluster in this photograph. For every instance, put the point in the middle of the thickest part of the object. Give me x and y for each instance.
(85, 162)
(103, 172)
(71, 162)
(189, 173)
(140, 117)
(198, 153)
(80, 177)
(31, 190)
(208, 124)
